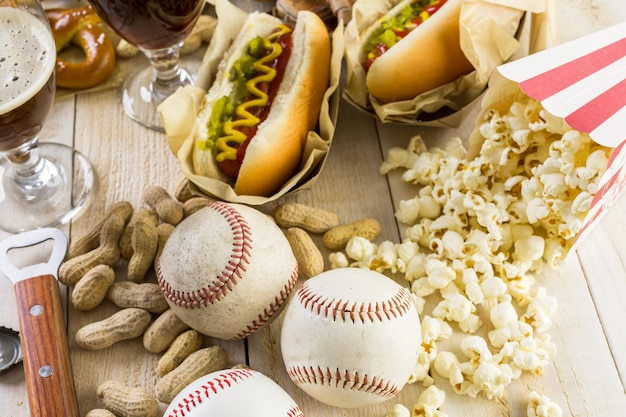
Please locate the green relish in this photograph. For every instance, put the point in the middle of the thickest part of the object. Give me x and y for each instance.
(224, 108)
(392, 30)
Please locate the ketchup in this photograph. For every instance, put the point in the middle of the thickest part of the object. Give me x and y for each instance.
(231, 167)
(401, 32)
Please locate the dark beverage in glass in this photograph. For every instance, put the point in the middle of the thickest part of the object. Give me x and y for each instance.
(41, 184)
(27, 78)
(152, 24)
(158, 28)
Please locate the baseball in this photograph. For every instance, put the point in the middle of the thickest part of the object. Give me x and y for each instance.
(350, 337)
(233, 393)
(227, 270)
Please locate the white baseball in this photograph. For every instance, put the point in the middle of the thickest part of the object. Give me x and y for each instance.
(350, 337)
(233, 393)
(227, 270)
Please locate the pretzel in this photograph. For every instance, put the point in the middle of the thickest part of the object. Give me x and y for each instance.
(80, 26)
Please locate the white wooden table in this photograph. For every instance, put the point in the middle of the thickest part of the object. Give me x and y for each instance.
(586, 377)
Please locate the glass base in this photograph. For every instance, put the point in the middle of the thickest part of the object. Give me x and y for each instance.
(55, 202)
(140, 100)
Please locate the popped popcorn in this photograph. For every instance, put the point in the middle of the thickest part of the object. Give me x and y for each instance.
(529, 248)
(338, 260)
(493, 288)
(476, 349)
(433, 330)
(408, 211)
(438, 273)
(503, 315)
(398, 410)
(529, 356)
(459, 309)
(406, 251)
(539, 312)
(359, 248)
(446, 363)
(491, 379)
(542, 406)
(429, 208)
(429, 402)
(477, 232)
(427, 405)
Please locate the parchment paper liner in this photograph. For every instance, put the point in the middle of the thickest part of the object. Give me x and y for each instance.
(488, 39)
(180, 133)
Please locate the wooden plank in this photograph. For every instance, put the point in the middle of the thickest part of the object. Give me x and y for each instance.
(604, 265)
(582, 348)
(571, 19)
(586, 376)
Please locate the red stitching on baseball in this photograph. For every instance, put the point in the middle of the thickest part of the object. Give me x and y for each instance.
(232, 273)
(295, 411)
(270, 310)
(342, 379)
(218, 383)
(337, 309)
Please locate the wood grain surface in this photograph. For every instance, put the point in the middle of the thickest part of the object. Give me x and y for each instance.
(586, 376)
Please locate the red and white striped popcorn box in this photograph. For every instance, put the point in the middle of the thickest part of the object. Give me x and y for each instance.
(583, 81)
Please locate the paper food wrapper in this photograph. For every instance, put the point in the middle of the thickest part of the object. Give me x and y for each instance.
(179, 111)
(583, 82)
(488, 39)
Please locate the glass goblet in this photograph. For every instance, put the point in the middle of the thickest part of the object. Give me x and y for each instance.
(42, 184)
(158, 28)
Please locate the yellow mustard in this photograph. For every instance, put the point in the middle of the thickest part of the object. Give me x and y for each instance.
(246, 119)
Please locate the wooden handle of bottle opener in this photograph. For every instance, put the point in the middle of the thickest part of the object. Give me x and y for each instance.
(49, 378)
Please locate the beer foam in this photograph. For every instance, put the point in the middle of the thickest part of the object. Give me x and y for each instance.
(27, 57)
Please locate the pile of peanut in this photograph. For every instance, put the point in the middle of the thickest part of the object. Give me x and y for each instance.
(135, 237)
(299, 221)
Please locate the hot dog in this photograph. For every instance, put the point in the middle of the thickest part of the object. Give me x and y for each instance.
(415, 47)
(267, 95)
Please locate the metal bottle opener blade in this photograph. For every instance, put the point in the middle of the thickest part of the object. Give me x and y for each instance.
(49, 378)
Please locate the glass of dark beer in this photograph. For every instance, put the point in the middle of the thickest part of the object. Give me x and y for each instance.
(42, 184)
(158, 28)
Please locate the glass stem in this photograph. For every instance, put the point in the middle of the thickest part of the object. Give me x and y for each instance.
(168, 74)
(31, 171)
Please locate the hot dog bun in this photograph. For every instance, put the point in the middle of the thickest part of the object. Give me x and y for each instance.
(275, 151)
(428, 57)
